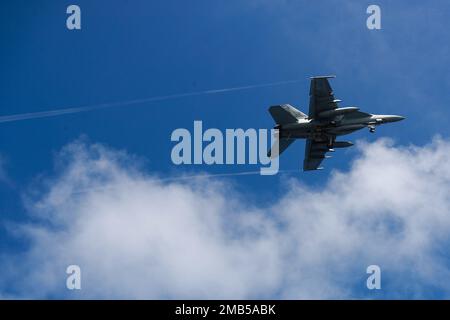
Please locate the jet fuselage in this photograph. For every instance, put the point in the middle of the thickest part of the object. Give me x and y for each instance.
(337, 126)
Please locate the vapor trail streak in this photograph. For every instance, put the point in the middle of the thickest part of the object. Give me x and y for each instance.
(216, 175)
(181, 178)
(59, 112)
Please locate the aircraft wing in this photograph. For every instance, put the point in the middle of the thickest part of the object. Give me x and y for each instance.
(315, 151)
(321, 97)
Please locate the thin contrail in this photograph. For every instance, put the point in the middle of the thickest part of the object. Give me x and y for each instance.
(215, 175)
(59, 112)
(181, 178)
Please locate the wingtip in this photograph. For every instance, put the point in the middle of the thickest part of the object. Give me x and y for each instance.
(323, 77)
(313, 169)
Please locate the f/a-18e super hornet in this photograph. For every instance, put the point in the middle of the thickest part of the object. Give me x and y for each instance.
(324, 122)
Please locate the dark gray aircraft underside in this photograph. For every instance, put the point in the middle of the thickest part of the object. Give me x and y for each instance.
(324, 122)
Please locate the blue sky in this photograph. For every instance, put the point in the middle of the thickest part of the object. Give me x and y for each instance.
(139, 49)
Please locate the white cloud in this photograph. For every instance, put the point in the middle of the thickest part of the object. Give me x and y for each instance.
(135, 236)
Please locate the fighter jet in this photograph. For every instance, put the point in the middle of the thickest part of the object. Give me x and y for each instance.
(325, 121)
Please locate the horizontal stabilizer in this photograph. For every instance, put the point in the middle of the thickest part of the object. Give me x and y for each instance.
(283, 144)
(284, 114)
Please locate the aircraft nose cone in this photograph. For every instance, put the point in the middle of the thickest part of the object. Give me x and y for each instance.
(394, 118)
(397, 118)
